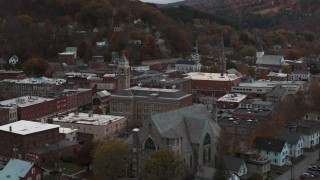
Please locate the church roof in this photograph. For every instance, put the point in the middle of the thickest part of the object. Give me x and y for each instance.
(190, 123)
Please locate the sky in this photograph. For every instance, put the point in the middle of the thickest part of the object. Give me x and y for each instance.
(161, 1)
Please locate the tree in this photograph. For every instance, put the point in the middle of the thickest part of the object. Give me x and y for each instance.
(110, 160)
(213, 69)
(163, 165)
(248, 51)
(36, 67)
(84, 155)
(286, 69)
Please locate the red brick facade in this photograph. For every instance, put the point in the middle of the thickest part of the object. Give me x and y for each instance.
(11, 140)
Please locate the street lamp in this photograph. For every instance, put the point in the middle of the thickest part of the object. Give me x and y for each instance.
(289, 162)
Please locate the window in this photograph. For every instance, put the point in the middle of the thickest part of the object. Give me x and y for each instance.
(275, 154)
(207, 140)
(149, 144)
(267, 152)
(275, 160)
(38, 177)
(33, 170)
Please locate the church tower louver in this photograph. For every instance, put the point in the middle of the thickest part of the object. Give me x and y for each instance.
(123, 74)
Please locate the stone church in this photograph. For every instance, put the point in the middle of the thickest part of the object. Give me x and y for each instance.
(191, 132)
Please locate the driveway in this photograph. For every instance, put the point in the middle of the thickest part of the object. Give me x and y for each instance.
(310, 158)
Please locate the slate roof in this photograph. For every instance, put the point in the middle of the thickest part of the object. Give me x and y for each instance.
(152, 92)
(277, 91)
(233, 163)
(271, 60)
(269, 144)
(301, 72)
(290, 137)
(189, 123)
(15, 169)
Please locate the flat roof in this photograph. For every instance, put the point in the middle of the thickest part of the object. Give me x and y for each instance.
(24, 127)
(63, 130)
(40, 80)
(268, 83)
(24, 101)
(138, 88)
(212, 76)
(236, 97)
(84, 118)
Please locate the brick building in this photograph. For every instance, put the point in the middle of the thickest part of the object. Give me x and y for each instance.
(16, 138)
(43, 86)
(4, 74)
(31, 107)
(66, 57)
(98, 127)
(213, 83)
(4, 116)
(137, 103)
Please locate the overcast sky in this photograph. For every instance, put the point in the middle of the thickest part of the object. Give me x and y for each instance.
(161, 1)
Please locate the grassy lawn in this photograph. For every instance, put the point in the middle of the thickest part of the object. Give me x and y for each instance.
(66, 168)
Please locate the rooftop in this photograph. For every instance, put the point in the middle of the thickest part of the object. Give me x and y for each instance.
(159, 93)
(40, 80)
(243, 122)
(260, 112)
(15, 169)
(24, 127)
(233, 97)
(82, 75)
(63, 130)
(268, 83)
(212, 76)
(88, 119)
(163, 80)
(23, 101)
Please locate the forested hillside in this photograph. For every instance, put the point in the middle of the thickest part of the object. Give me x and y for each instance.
(42, 29)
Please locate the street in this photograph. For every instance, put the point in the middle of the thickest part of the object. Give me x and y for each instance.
(311, 158)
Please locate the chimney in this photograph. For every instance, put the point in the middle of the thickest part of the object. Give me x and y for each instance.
(10, 128)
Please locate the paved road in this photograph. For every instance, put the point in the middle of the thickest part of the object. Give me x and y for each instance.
(311, 158)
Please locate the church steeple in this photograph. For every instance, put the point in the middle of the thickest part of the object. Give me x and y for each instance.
(222, 58)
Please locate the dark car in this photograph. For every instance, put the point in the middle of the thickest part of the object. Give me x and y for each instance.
(54, 172)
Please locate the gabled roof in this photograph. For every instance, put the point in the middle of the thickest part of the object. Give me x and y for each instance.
(271, 60)
(290, 137)
(233, 163)
(277, 91)
(15, 169)
(189, 122)
(269, 144)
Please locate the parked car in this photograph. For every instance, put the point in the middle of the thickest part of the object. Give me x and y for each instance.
(314, 168)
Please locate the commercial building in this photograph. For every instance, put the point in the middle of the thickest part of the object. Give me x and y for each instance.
(262, 87)
(16, 138)
(231, 100)
(43, 86)
(213, 83)
(93, 126)
(137, 103)
(31, 107)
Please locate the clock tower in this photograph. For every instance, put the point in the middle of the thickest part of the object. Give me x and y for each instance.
(123, 74)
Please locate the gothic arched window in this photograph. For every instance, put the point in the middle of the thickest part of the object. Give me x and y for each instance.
(207, 140)
(149, 144)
